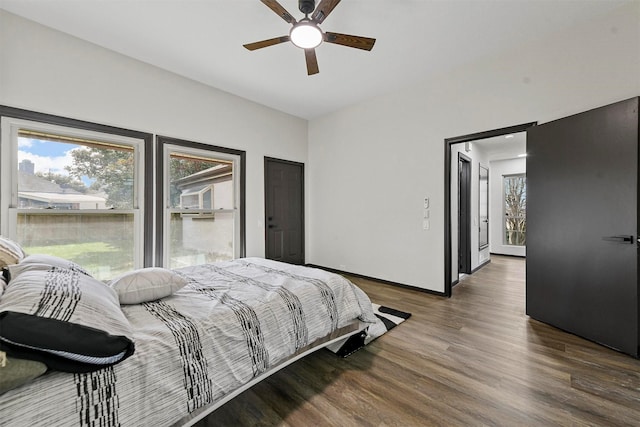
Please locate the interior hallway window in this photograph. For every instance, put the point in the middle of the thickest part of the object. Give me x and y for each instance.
(515, 210)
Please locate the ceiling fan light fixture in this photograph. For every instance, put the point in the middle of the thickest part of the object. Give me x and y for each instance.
(306, 35)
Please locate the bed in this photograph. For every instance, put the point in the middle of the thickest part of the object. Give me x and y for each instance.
(228, 326)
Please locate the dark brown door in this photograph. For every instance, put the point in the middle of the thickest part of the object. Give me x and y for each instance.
(582, 224)
(464, 214)
(284, 210)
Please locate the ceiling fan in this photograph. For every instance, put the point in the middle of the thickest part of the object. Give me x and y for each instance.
(306, 33)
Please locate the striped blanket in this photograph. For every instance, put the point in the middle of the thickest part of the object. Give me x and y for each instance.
(232, 322)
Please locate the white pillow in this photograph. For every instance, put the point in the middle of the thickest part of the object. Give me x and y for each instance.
(10, 252)
(146, 284)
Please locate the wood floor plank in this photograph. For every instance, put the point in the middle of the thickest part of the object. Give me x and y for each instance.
(473, 359)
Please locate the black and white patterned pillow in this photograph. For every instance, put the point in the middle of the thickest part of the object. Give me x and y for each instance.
(44, 262)
(63, 318)
(3, 282)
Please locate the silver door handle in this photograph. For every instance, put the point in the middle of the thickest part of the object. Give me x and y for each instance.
(619, 239)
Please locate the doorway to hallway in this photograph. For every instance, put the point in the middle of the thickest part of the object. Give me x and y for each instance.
(466, 252)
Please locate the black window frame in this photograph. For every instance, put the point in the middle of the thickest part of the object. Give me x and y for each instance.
(153, 174)
(18, 113)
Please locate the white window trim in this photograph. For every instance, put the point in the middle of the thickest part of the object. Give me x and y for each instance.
(9, 185)
(214, 154)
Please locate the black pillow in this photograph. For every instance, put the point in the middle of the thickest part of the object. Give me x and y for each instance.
(65, 319)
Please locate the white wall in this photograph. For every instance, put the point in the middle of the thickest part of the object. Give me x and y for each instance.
(497, 170)
(50, 72)
(371, 165)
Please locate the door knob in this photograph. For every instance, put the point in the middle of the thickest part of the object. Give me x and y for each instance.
(619, 239)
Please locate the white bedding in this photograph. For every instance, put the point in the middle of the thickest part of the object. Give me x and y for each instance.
(232, 322)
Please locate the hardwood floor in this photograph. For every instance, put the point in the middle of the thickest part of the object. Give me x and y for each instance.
(473, 359)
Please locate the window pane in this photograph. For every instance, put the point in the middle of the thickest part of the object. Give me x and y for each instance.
(101, 243)
(197, 239)
(193, 176)
(515, 208)
(189, 201)
(207, 200)
(198, 180)
(62, 182)
(57, 172)
(515, 238)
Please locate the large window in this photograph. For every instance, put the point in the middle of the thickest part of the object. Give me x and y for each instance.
(201, 203)
(104, 198)
(515, 210)
(74, 193)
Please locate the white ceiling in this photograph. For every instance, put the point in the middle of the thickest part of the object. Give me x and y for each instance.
(416, 39)
(501, 147)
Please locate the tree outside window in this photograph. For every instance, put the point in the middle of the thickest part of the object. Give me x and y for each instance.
(76, 199)
(515, 208)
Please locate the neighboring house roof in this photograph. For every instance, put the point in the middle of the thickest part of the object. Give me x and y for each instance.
(33, 187)
(61, 198)
(218, 173)
(33, 183)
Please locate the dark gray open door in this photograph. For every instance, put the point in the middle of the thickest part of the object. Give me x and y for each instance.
(582, 224)
(284, 210)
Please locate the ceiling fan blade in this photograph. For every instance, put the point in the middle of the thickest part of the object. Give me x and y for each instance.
(279, 10)
(364, 43)
(312, 61)
(266, 43)
(323, 10)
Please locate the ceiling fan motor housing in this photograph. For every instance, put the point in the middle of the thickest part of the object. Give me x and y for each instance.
(306, 6)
